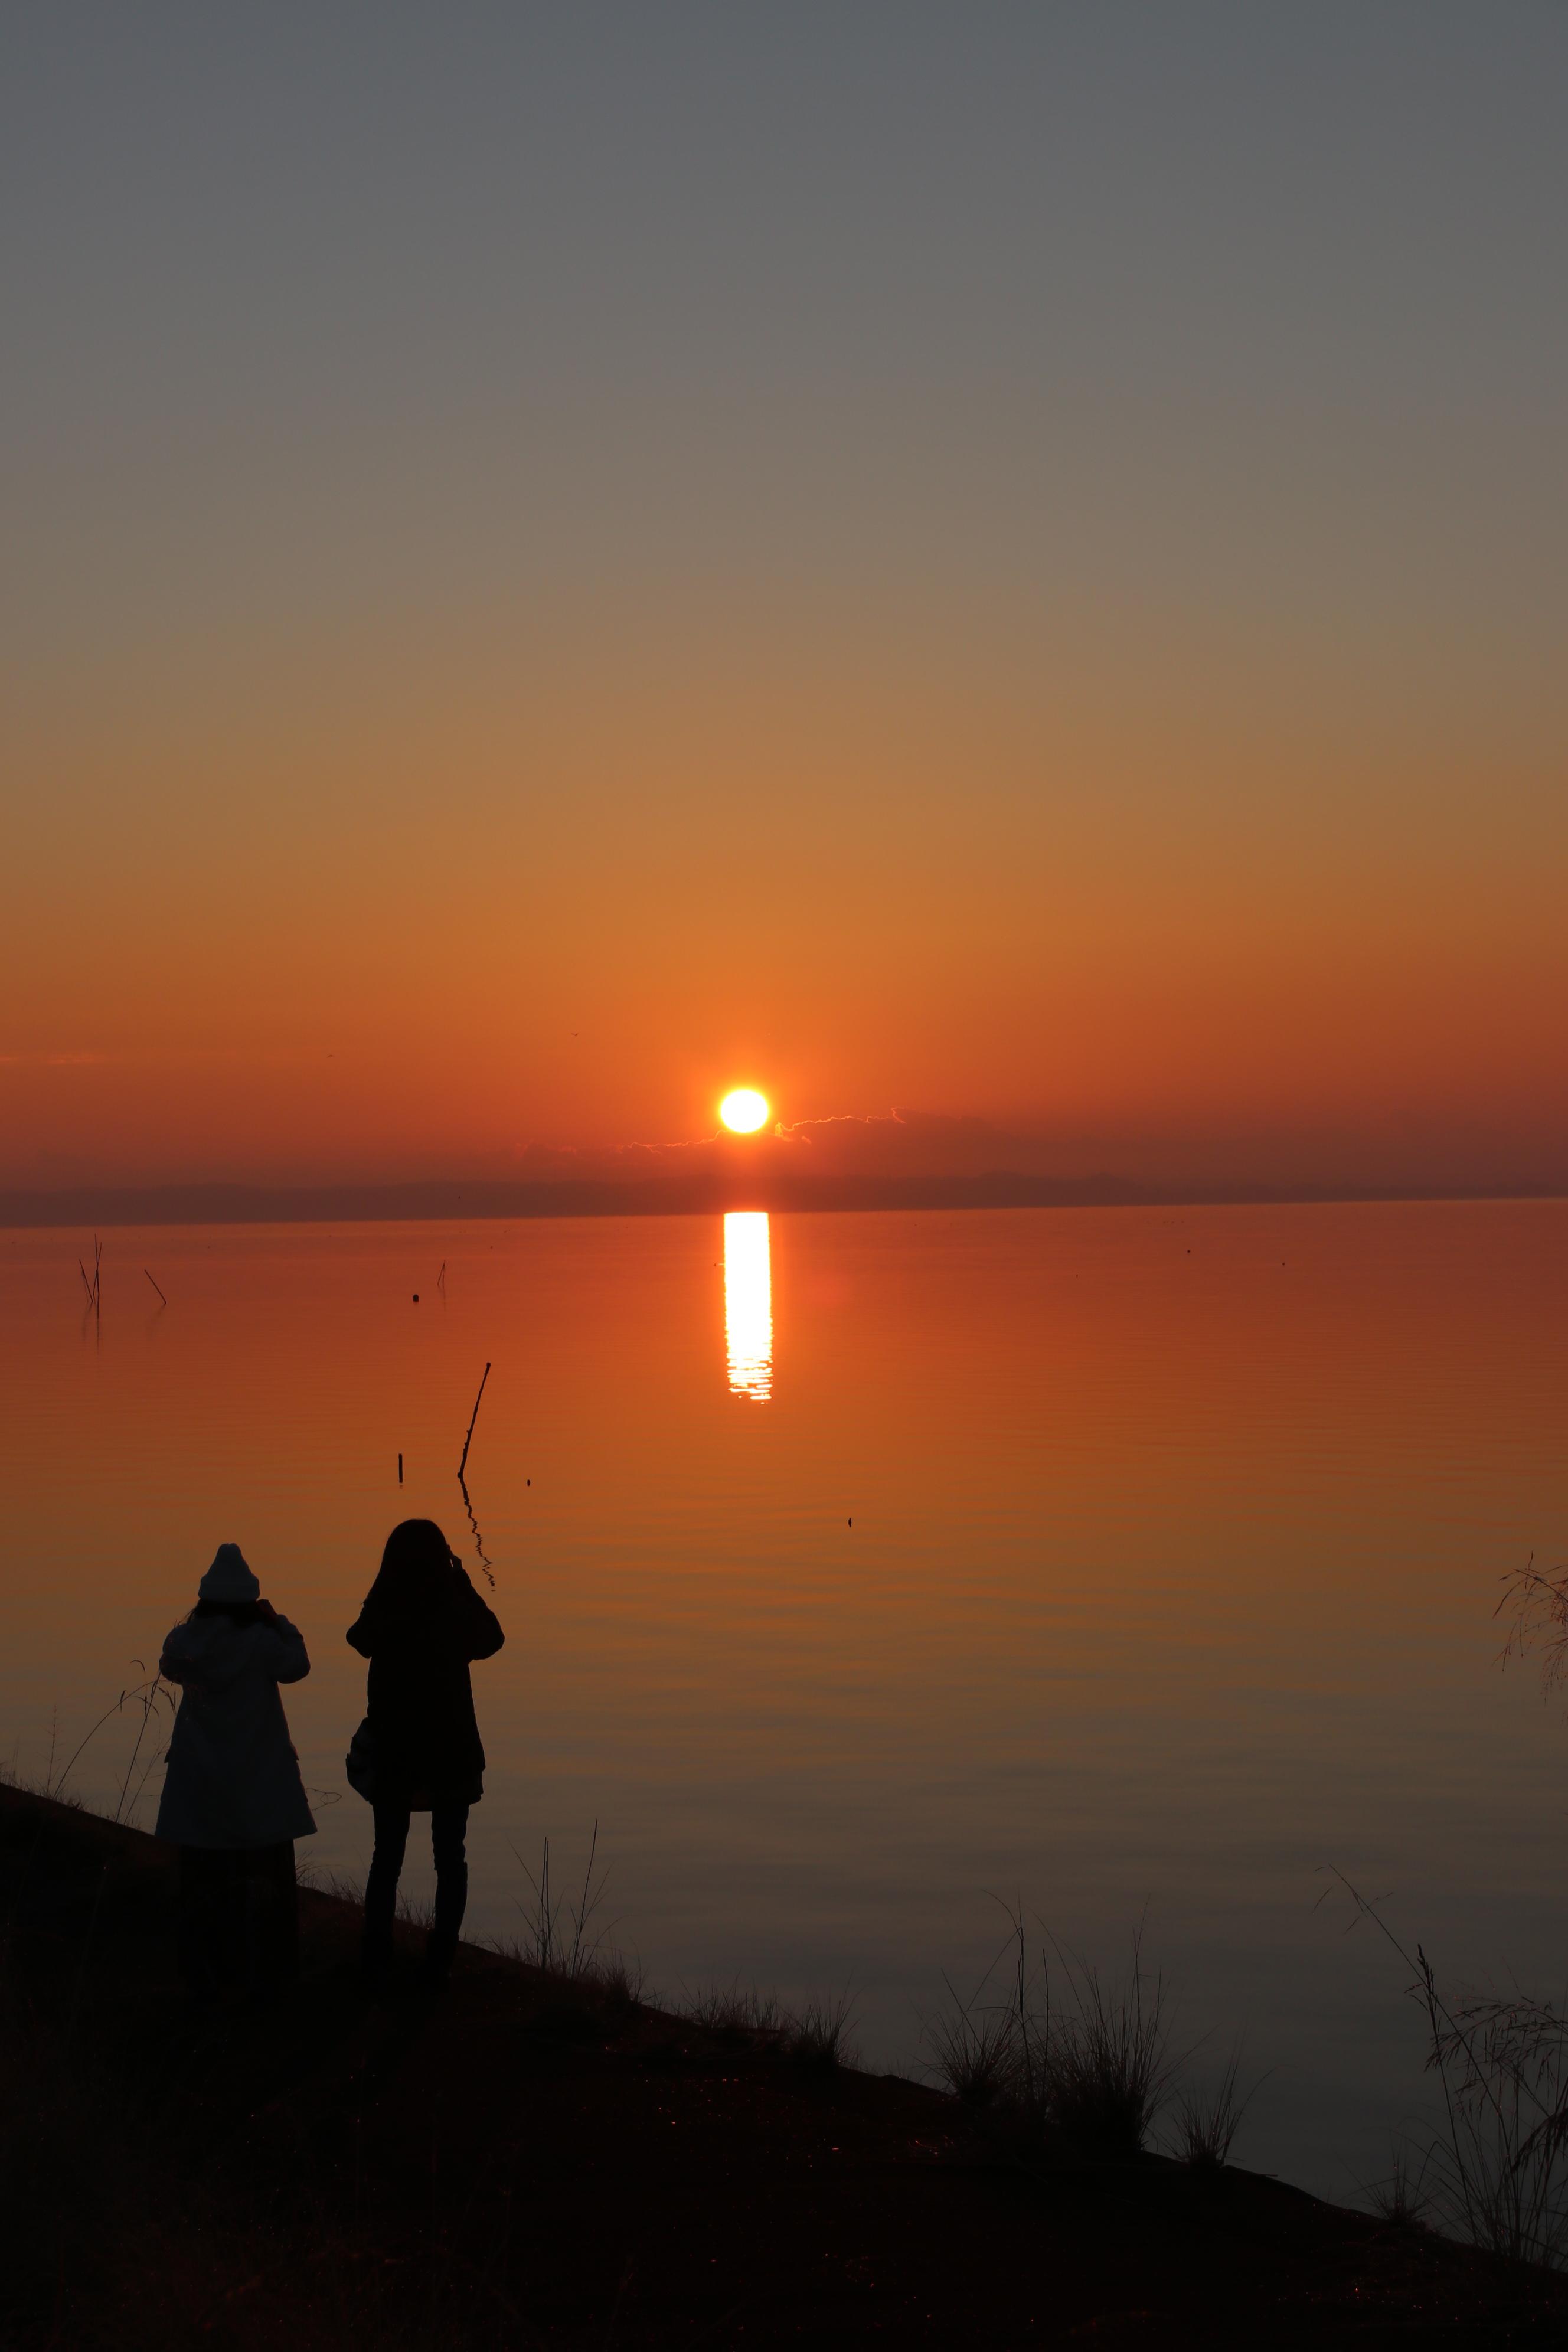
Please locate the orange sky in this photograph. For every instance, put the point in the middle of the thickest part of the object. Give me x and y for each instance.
(510, 637)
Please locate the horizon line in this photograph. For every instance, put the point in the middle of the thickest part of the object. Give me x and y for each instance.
(239, 1201)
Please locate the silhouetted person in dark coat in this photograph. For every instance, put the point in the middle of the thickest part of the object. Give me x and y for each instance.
(421, 1625)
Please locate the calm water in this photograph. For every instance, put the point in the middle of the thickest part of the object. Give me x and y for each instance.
(1174, 1541)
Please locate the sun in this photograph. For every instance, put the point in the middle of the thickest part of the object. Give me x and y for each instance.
(744, 1111)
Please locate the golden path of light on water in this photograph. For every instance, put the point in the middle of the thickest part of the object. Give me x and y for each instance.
(749, 1304)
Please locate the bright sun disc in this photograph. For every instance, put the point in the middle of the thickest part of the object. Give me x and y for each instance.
(744, 1111)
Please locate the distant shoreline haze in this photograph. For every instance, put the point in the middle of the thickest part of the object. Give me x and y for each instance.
(901, 1159)
(240, 1203)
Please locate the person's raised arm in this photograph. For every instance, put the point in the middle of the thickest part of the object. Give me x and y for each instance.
(484, 1633)
(478, 1622)
(288, 1661)
(174, 1665)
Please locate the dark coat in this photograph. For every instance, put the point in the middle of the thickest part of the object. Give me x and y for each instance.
(420, 1701)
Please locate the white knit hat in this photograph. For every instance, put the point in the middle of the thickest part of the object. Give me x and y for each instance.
(228, 1578)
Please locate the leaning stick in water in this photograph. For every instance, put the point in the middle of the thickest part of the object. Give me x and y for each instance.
(472, 1418)
(156, 1285)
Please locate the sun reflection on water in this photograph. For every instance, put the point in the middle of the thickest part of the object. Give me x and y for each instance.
(749, 1304)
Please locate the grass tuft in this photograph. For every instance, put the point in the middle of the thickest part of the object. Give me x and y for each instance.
(1108, 2068)
(1078, 2065)
(815, 2035)
(559, 1940)
(1207, 2122)
(819, 2033)
(1401, 2199)
(733, 2010)
(561, 1948)
(1498, 2167)
(975, 2051)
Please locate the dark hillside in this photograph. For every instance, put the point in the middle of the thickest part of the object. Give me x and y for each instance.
(520, 2163)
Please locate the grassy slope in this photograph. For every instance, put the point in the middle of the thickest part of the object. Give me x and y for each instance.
(520, 2164)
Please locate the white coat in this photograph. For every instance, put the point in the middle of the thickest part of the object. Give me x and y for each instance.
(233, 1777)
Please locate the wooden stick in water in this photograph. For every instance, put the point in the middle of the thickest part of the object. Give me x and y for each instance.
(472, 1418)
(156, 1285)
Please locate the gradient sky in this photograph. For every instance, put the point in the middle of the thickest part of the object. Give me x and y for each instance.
(1008, 560)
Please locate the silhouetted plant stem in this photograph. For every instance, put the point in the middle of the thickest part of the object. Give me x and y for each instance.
(94, 1288)
(1502, 2070)
(1538, 1601)
(149, 1695)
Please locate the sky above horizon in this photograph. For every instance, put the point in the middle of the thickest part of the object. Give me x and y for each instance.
(1002, 560)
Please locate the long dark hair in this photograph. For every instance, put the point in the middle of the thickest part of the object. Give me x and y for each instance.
(415, 1568)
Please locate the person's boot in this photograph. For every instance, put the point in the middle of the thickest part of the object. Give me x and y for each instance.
(375, 1963)
(440, 1951)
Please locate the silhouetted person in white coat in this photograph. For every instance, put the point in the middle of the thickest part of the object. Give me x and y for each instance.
(233, 1800)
